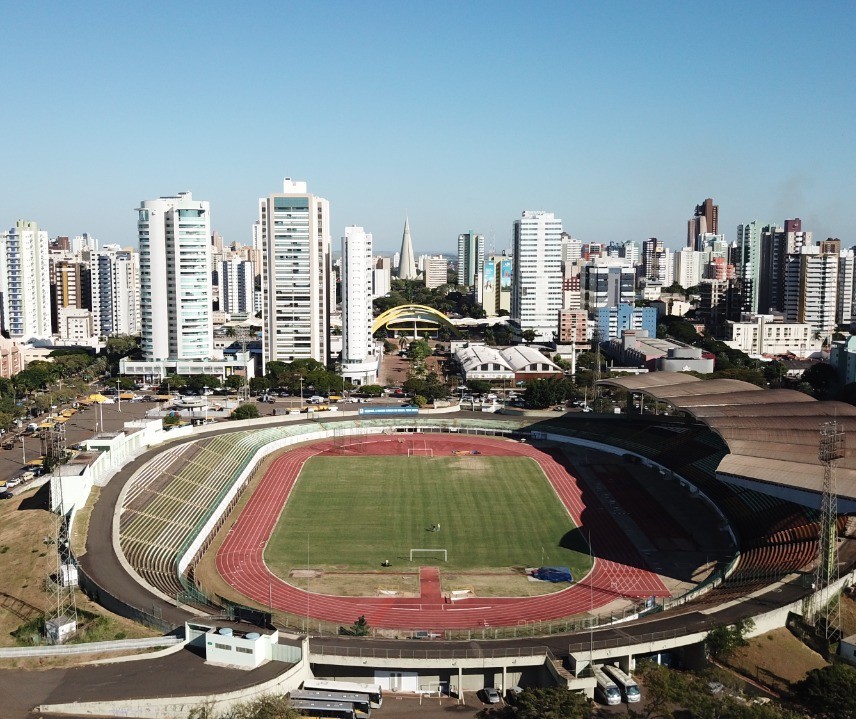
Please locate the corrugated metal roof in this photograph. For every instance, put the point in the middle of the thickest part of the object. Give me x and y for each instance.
(772, 435)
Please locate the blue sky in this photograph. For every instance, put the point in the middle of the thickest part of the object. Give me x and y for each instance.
(618, 116)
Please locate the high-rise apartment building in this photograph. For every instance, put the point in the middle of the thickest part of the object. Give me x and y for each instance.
(608, 284)
(705, 220)
(689, 267)
(495, 285)
(382, 276)
(236, 280)
(70, 286)
(746, 258)
(25, 282)
(115, 290)
(845, 313)
(536, 295)
(175, 278)
(435, 270)
(470, 258)
(811, 288)
(295, 236)
(359, 358)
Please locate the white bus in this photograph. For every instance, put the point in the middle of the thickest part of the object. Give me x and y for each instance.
(360, 702)
(324, 710)
(374, 691)
(628, 687)
(606, 691)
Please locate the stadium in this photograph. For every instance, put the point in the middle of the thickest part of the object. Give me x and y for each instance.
(366, 547)
(627, 503)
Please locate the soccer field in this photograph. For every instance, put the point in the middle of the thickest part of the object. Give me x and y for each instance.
(494, 512)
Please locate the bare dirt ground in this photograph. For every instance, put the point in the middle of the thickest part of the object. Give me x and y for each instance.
(26, 561)
(776, 659)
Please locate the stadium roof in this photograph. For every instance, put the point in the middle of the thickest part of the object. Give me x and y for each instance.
(772, 436)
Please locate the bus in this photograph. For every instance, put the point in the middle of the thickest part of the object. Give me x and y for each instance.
(629, 688)
(361, 703)
(374, 691)
(324, 710)
(606, 691)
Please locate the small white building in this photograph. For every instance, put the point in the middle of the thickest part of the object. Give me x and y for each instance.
(763, 335)
(234, 648)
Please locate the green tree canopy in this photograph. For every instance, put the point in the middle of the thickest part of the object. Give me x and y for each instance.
(829, 692)
(245, 411)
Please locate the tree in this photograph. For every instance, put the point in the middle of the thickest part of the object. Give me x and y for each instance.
(823, 379)
(245, 411)
(269, 706)
(543, 393)
(234, 381)
(370, 390)
(479, 386)
(529, 336)
(829, 692)
(544, 703)
(419, 400)
(360, 628)
(419, 350)
(723, 640)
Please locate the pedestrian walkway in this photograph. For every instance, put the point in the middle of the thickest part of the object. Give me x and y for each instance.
(429, 585)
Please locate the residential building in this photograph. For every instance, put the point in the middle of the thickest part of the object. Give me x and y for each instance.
(608, 285)
(237, 283)
(572, 295)
(295, 238)
(75, 325)
(470, 258)
(381, 276)
(654, 260)
(689, 267)
(435, 270)
(811, 287)
(536, 294)
(613, 321)
(845, 301)
(175, 281)
(407, 259)
(746, 258)
(572, 248)
(768, 335)
(705, 220)
(115, 290)
(11, 358)
(359, 354)
(70, 286)
(573, 326)
(842, 356)
(25, 282)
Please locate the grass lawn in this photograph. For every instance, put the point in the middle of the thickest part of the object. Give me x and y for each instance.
(494, 512)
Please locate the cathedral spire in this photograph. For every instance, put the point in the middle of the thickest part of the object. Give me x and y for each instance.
(406, 262)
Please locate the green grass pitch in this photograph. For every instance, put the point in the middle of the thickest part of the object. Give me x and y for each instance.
(493, 512)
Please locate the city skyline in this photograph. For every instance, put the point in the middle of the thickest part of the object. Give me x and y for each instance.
(616, 118)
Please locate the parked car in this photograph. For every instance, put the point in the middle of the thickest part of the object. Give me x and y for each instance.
(489, 695)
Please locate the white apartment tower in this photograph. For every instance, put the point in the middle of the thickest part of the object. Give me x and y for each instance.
(359, 360)
(175, 278)
(811, 288)
(536, 294)
(25, 282)
(296, 269)
(470, 258)
(115, 291)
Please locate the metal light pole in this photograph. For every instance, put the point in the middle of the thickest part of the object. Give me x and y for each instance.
(118, 395)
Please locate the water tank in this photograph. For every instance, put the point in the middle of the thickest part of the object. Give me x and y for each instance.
(225, 631)
(252, 636)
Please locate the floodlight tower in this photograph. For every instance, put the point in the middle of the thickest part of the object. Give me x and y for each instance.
(243, 333)
(61, 623)
(828, 616)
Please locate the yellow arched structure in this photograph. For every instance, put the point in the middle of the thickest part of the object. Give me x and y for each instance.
(412, 319)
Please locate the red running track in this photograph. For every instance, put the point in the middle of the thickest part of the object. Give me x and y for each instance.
(240, 559)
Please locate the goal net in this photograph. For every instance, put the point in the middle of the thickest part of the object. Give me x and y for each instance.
(420, 452)
(430, 553)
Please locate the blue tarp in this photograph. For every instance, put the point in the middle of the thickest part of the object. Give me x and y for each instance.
(553, 574)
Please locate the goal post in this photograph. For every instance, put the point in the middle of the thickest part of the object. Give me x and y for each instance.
(420, 451)
(435, 552)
